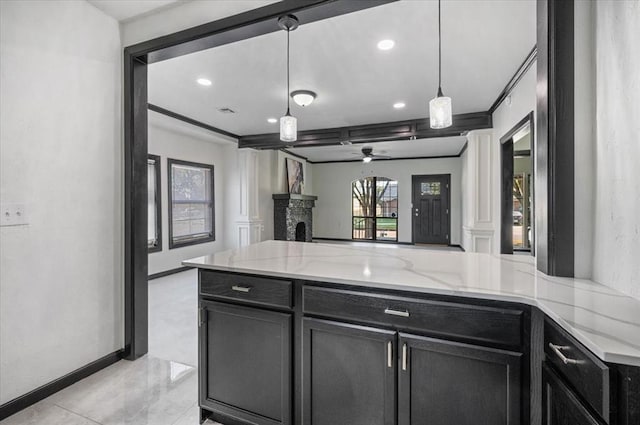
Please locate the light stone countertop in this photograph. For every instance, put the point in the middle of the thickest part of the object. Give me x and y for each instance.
(603, 319)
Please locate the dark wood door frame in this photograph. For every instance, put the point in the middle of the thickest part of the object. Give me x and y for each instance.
(506, 185)
(413, 217)
(234, 28)
(555, 142)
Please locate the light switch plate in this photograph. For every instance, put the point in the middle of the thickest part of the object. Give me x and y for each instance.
(13, 215)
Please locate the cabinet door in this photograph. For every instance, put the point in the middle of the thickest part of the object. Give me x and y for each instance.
(349, 374)
(445, 383)
(245, 354)
(560, 406)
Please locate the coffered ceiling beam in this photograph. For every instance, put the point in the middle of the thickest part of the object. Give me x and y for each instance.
(383, 132)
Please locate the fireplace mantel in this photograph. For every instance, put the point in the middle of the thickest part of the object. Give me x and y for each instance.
(286, 196)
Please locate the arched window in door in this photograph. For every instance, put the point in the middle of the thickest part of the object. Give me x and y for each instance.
(374, 203)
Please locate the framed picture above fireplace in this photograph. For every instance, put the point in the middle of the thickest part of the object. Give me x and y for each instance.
(295, 176)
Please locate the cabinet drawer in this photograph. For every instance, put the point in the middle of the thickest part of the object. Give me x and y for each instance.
(585, 373)
(252, 289)
(485, 325)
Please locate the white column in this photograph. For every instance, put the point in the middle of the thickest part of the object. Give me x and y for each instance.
(248, 223)
(478, 221)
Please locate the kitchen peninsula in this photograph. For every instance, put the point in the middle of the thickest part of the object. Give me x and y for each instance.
(310, 333)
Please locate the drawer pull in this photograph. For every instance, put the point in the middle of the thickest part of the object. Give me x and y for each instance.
(404, 313)
(558, 350)
(241, 288)
(389, 354)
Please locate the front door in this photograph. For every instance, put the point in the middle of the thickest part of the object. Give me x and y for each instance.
(430, 209)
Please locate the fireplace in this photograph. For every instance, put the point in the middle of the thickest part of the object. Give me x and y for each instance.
(292, 217)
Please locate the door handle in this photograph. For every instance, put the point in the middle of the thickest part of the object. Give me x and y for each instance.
(389, 354)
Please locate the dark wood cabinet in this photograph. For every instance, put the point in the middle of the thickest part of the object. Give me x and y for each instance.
(365, 356)
(443, 383)
(245, 362)
(560, 405)
(349, 374)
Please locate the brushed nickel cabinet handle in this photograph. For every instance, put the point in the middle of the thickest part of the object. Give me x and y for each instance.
(404, 313)
(557, 349)
(404, 356)
(389, 354)
(241, 288)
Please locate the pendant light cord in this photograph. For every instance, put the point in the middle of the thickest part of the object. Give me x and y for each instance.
(288, 96)
(439, 53)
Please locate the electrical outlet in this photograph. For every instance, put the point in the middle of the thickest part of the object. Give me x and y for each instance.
(13, 215)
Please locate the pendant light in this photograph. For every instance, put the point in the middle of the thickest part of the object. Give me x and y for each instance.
(440, 106)
(288, 123)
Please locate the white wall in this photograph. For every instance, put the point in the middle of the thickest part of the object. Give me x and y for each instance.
(332, 186)
(617, 201)
(60, 154)
(584, 144)
(170, 138)
(522, 102)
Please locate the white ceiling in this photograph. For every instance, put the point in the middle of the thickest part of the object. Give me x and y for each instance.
(123, 10)
(483, 44)
(445, 146)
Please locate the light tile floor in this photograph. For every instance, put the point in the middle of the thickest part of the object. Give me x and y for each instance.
(160, 389)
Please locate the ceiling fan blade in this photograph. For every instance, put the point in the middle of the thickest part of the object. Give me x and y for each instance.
(380, 156)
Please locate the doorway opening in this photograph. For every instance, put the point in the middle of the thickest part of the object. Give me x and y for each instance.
(430, 209)
(517, 182)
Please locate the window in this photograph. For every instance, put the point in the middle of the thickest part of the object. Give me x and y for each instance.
(191, 212)
(374, 202)
(430, 188)
(154, 226)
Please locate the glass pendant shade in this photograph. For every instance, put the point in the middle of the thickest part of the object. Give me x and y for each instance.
(288, 128)
(440, 112)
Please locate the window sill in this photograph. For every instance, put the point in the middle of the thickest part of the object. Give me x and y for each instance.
(180, 244)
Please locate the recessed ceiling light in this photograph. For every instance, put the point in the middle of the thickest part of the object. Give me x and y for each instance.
(399, 105)
(204, 82)
(386, 44)
(272, 120)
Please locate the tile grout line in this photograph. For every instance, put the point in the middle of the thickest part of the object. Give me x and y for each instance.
(77, 414)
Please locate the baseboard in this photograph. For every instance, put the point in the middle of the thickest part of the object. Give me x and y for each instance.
(168, 272)
(362, 240)
(32, 397)
(457, 246)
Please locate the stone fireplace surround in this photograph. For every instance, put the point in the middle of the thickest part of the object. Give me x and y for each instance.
(292, 217)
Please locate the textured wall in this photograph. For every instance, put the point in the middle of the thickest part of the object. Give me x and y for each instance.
(60, 154)
(617, 203)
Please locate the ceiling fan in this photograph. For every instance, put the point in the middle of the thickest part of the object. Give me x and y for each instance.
(368, 155)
